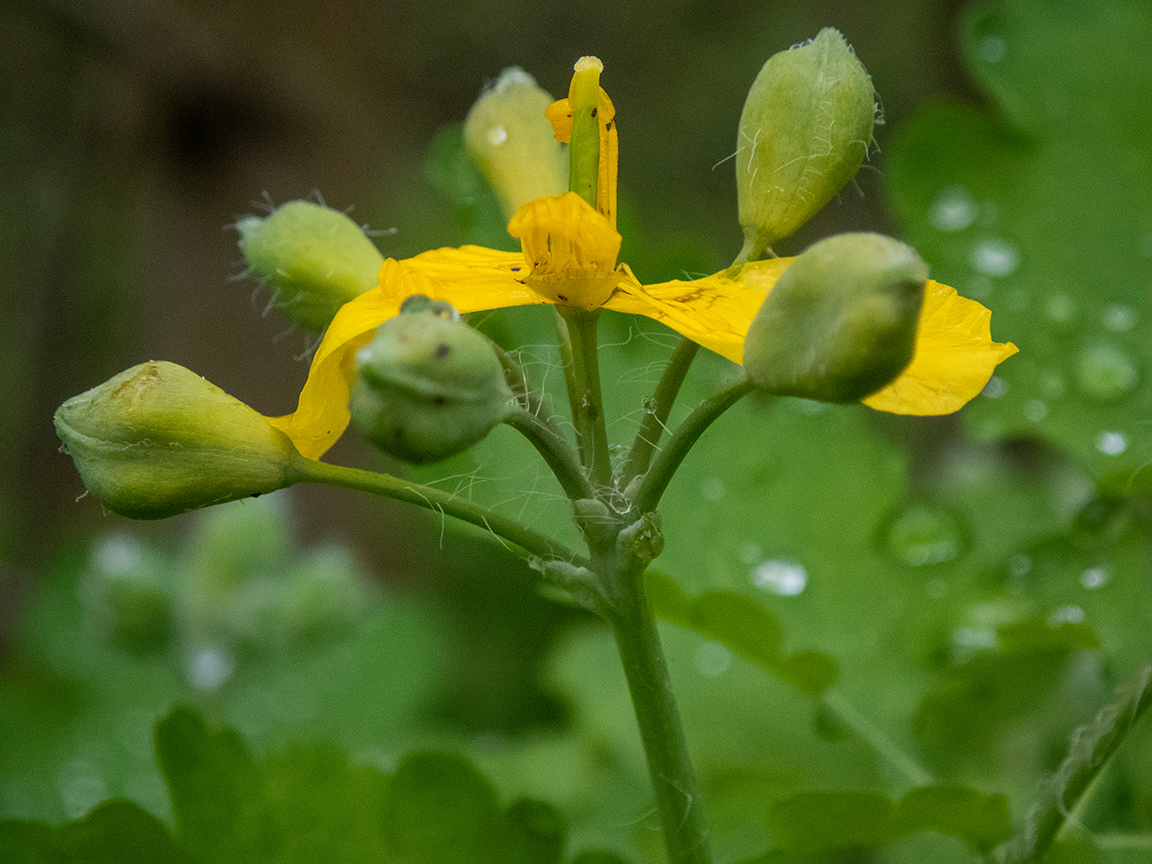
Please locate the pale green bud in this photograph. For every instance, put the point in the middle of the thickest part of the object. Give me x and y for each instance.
(428, 385)
(511, 141)
(840, 322)
(313, 259)
(804, 132)
(157, 440)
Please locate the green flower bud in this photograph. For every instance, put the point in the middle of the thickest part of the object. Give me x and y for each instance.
(840, 323)
(510, 139)
(157, 440)
(428, 385)
(804, 132)
(313, 258)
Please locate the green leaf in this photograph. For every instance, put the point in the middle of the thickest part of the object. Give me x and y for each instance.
(216, 790)
(1041, 208)
(24, 842)
(744, 626)
(818, 821)
(117, 832)
(1092, 746)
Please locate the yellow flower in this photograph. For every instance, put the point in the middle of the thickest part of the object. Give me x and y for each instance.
(568, 257)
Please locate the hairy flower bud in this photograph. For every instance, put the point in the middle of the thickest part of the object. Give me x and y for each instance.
(157, 440)
(840, 322)
(313, 258)
(511, 141)
(804, 132)
(428, 386)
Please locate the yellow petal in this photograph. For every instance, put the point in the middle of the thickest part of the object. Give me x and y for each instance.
(470, 278)
(714, 311)
(955, 356)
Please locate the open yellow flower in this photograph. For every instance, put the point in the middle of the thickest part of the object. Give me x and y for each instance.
(568, 257)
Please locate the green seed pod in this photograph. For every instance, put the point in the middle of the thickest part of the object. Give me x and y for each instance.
(804, 132)
(157, 440)
(428, 385)
(511, 141)
(840, 323)
(313, 258)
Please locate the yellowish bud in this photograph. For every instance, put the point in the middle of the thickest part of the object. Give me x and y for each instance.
(804, 132)
(840, 322)
(511, 141)
(157, 440)
(314, 259)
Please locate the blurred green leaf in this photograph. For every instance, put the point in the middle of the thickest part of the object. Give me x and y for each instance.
(816, 821)
(1092, 746)
(118, 832)
(1041, 208)
(216, 790)
(744, 626)
(23, 842)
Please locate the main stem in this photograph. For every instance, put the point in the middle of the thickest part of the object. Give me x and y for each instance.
(673, 780)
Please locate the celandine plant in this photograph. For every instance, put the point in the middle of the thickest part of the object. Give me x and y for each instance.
(853, 318)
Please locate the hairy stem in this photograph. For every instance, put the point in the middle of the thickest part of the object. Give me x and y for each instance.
(584, 391)
(555, 450)
(532, 542)
(653, 424)
(668, 460)
(673, 780)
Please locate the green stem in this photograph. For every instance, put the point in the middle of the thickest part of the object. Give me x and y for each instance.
(664, 466)
(673, 780)
(555, 450)
(874, 736)
(532, 542)
(584, 391)
(653, 424)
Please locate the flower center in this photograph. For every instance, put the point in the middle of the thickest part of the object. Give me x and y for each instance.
(571, 249)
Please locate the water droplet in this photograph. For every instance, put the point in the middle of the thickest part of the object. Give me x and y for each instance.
(81, 787)
(953, 209)
(712, 489)
(923, 535)
(1035, 410)
(992, 49)
(995, 388)
(780, 576)
(1094, 577)
(209, 667)
(1061, 309)
(497, 135)
(650, 405)
(1111, 443)
(1066, 615)
(749, 553)
(994, 257)
(1106, 373)
(712, 659)
(1118, 317)
(118, 553)
(1019, 565)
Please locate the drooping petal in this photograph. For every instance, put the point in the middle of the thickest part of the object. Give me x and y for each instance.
(714, 311)
(955, 356)
(470, 278)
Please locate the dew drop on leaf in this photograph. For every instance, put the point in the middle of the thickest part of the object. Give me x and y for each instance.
(1111, 443)
(712, 659)
(1094, 577)
(780, 576)
(923, 535)
(1106, 373)
(953, 209)
(994, 257)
